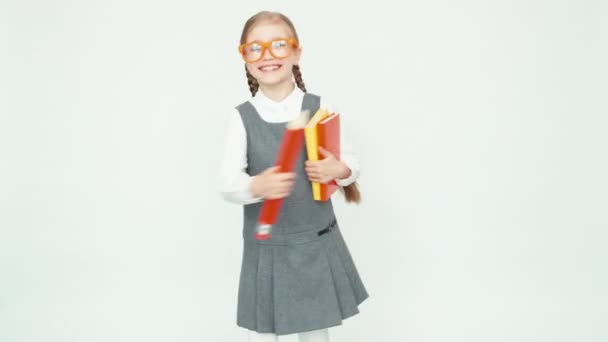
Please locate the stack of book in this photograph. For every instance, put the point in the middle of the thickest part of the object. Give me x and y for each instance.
(323, 129)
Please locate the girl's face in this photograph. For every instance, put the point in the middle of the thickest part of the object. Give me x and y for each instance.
(270, 70)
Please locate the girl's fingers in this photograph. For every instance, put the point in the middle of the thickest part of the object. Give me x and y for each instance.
(286, 176)
(325, 153)
(320, 179)
(315, 178)
(278, 194)
(285, 187)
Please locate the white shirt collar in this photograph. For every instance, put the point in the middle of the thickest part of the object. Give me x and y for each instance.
(285, 109)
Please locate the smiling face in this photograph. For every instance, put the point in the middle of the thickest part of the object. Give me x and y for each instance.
(271, 71)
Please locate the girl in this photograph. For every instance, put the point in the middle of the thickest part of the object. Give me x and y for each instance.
(303, 279)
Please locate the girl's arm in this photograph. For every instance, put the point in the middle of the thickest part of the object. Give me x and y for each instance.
(347, 154)
(235, 184)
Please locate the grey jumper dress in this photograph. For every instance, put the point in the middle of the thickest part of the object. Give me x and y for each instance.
(303, 278)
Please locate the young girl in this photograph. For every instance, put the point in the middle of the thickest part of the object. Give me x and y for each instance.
(303, 279)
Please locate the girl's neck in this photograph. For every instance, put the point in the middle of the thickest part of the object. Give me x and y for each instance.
(278, 92)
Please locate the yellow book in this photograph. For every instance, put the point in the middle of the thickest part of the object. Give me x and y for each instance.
(312, 146)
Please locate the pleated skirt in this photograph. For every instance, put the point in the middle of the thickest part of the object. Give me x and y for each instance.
(298, 282)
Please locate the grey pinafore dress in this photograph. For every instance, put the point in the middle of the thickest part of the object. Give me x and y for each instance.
(303, 278)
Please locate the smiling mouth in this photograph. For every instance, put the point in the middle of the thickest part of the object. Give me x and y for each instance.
(271, 67)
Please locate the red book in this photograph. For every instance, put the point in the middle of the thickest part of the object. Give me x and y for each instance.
(328, 135)
(289, 150)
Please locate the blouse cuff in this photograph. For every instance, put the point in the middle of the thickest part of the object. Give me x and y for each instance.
(248, 195)
(354, 173)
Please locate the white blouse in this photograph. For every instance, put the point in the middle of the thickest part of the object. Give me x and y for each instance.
(235, 184)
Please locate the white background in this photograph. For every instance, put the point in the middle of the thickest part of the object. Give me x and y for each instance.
(481, 127)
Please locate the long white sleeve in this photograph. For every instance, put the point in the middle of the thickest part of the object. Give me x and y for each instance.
(235, 180)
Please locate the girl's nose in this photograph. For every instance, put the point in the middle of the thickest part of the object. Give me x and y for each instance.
(267, 55)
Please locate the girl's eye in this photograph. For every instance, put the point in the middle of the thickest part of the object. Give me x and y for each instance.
(255, 48)
(278, 44)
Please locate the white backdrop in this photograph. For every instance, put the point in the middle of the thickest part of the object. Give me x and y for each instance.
(480, 125)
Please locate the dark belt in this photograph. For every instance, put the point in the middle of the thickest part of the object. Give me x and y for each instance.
(329, 227)
(298, 238)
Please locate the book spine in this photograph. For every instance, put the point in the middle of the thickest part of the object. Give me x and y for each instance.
(313, 155)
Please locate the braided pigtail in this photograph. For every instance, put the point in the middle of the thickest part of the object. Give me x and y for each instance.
(252, 82)
(297, 75)
(351, 193)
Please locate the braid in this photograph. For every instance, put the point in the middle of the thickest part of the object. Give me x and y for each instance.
(297, 75)
(351, 193)
(253, 83)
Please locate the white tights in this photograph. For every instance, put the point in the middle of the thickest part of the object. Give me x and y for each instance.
(321, 335)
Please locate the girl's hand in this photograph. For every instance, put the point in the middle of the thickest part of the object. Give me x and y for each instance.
(323, 171)
(272, 184)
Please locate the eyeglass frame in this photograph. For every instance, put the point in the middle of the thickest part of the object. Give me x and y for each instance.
(267, 46)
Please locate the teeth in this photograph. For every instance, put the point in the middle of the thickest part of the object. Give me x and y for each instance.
(269, 67)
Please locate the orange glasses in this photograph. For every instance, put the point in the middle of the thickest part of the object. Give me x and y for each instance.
(279, 48)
